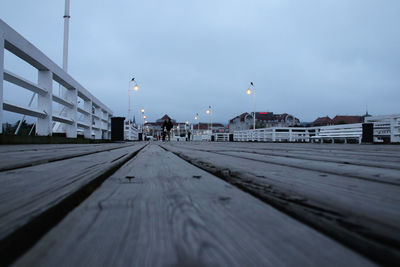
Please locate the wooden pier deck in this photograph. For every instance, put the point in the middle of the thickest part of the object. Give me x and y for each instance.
(200, 204)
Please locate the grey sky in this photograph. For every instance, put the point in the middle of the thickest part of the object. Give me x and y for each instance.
(307, 58)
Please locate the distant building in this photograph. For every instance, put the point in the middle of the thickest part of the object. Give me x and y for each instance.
(340, 119)
(244, 121)
(322, 121)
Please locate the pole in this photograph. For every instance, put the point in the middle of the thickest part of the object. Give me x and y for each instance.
(129, 104)
(66, 34)
(254, 117)
(211, 120)
(61, 90)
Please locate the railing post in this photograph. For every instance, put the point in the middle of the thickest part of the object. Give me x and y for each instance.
(97, 123)
(72, 113)
(273, 135)
(87, 132)
(109, 126)
(1, 79)
(290, 135)
(105, 124)
(44, 126)
(394, 130)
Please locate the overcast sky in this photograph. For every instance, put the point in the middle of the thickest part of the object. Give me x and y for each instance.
(308, 58)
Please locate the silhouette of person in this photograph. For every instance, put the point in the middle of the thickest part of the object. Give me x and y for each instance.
(166, 127)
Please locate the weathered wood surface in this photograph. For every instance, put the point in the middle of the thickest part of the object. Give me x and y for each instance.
(356, 204)
(17, 156)
(28, 193)
(174, 214)
(381, 156)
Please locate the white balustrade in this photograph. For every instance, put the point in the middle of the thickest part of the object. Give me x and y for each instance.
(386, 126)
(275, 134)
(131, 133)
(221, 137)
(97, 122)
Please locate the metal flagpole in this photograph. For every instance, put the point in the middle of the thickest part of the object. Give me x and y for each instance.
(66, 34)
(61, 90)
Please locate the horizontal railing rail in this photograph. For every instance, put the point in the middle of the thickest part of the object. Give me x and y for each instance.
(96, 115)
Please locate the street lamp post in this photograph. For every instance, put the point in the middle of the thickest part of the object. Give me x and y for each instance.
(198, 124)
(249, 92)
(135, 88)
(143, 117)
(187, 129)
(208, 112)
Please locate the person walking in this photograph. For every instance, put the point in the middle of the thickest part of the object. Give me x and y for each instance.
(166, 127)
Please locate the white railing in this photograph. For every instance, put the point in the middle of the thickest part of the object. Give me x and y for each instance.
(96, 116)
(343, 132)
(276, 134)
(385, 126)
(221, 137)
(131, 133)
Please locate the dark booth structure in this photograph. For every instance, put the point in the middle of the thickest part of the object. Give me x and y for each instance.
(117, 128)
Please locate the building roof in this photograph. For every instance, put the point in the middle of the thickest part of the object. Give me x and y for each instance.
(164, 118)
(340, 119)
(265, 116)
(241, 116)
(322, 121)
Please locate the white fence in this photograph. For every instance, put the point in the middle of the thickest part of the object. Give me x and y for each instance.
(96, 116)
(221, 137)
(342, 132)
(131, 133)
(276, 134)
(386, 126)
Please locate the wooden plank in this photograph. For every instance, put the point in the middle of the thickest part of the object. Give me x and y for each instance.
(26, 193)
(27, 155)
(359, 157)
(361, 213)
(387, 151)
(43, 147)
(174, 214)
(381, 175)
(390, 176)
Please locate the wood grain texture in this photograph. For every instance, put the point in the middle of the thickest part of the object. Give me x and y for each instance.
(18, 156)
(363, 155)
(364, 213)
(27, 192)
(174, 214)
